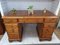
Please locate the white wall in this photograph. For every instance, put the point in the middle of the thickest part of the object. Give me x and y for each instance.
(23, 5)
(55, 6)
(58, 8)
(0, 6)
(4, 6)
(1, 10)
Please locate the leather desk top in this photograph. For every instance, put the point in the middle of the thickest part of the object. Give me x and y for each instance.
(24, 14)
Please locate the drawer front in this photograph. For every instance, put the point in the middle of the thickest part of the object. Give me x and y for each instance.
(33, 20)
(15, 28)
(51, 20)
(10, 20)
(50, 25)
(30, 20)
(12, 28)
(14, 36)
(48, 31)
(9, 28)
(46, 35)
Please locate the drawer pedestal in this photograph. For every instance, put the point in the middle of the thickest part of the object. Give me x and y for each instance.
(14, 32)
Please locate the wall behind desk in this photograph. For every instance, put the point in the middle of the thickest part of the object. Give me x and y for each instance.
(24, 5)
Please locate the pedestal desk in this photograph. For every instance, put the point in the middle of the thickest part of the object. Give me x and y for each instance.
(46, 23)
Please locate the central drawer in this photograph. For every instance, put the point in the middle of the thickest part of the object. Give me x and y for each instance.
(33, 20)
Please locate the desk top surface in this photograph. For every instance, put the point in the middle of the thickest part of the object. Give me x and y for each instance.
(24, 13)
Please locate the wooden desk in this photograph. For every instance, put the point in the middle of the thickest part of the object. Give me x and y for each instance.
(46, 23)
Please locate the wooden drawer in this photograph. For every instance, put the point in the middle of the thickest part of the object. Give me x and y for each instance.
(51, 20)
(9, 28)
(33, 20)
(15, 28)
(46, 35)
(10, 20)
(14, 36)
(48, 30)
(50, 25)
(12, 28)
